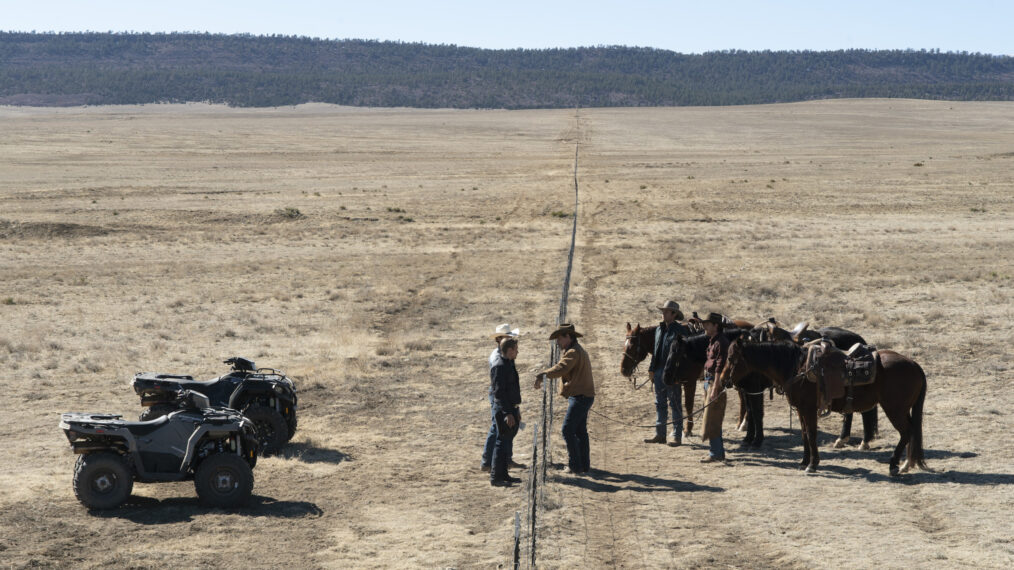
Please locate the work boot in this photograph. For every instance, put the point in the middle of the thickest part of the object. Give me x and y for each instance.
(656, 439)
(500, 482)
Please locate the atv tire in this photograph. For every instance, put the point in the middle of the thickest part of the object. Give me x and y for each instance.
(156, 411)
(224, 480)
(272, 430)
(102, 480)
(292, 426)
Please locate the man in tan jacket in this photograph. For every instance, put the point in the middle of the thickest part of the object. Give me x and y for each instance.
(578, 386)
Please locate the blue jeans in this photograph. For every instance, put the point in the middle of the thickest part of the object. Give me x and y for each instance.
(487, 450)
(715, 444)
(575, 432)
(667, 397)
(504, 446)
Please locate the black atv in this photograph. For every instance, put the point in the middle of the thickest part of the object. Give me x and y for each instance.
(216, 447)
(264, 395)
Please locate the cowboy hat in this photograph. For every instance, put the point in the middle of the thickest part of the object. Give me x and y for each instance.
(567, 329)
(714, 318)
(504, 331)
(674, 307)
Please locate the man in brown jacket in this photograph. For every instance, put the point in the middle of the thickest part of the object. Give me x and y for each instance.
(578, 386)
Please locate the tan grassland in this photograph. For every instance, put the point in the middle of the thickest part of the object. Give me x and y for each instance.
(155, 239)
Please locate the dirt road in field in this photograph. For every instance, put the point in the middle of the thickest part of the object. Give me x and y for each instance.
(370, 253)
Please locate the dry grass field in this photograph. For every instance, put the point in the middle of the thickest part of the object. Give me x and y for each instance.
(166, 238)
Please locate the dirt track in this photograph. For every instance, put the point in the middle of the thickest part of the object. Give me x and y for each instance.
(155, 239)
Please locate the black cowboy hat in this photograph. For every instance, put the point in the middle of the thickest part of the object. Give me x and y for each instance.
(714, 318)
(567, 329)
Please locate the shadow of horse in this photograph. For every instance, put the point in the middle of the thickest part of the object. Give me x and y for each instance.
(601, 481)
(307, 452)
(151, 511)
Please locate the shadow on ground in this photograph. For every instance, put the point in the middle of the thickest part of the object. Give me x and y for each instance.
(602, 481)
(146, 510)
(785, 452)
(309, 453)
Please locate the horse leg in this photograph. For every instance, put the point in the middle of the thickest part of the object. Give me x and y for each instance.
(757, 413)
(811, 430)
(750, 433)
(806, 445)
(869, 427)
(742, 412)
(915, 448)
(903, 423)
(846, 431)
(689, 389)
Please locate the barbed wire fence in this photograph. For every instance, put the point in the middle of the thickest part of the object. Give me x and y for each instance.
(526, 547)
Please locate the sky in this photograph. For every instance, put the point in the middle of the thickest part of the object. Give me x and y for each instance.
(982, 26)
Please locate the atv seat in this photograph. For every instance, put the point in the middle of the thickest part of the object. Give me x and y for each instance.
(146, 428)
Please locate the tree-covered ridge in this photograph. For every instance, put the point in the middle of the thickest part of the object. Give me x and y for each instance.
(242, 70)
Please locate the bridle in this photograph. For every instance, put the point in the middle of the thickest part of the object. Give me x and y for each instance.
(637, 359)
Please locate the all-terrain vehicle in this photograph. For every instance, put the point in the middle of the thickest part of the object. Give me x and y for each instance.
(216, 447)
(265, 395)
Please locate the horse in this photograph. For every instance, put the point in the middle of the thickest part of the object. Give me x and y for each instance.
(687, 356)
(899, 388)
(842, 339)
(639, 344)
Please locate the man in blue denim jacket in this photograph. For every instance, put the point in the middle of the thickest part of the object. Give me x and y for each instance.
(666, 397)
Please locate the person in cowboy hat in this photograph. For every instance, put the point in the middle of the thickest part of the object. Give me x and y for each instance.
(718, 352)
(578, 386)
(666, 396)
(502, 332)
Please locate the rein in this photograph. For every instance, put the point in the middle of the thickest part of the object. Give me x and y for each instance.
(669, 423)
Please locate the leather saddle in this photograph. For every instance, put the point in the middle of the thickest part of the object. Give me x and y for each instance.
(837, 372)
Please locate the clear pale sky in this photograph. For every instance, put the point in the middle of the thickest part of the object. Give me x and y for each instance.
(683, 26)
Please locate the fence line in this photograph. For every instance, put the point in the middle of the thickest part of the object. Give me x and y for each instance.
(540, 462)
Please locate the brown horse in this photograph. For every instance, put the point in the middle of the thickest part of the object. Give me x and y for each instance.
(639, 344)
(899, 388)
(843, 339)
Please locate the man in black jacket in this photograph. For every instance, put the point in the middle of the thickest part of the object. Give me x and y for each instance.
(506, 391)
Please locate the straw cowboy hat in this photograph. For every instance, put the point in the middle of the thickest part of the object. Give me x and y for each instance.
(567, 329)
(674, 307)
(504, 331)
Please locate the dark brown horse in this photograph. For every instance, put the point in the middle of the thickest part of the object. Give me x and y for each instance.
(639, 344)
(899, 388)
(843, 339)
(687, 356)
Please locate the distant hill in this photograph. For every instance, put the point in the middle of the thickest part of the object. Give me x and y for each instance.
(263, 71)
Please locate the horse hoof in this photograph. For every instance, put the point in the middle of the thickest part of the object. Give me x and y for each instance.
(810, 469)
(905, 467)
(864, 446)
(894, 471)
(839, 443)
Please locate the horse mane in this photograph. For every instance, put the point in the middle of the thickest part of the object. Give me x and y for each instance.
(782, 356)
(697, 344)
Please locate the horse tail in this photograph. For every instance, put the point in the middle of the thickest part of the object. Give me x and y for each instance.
(915, 449)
